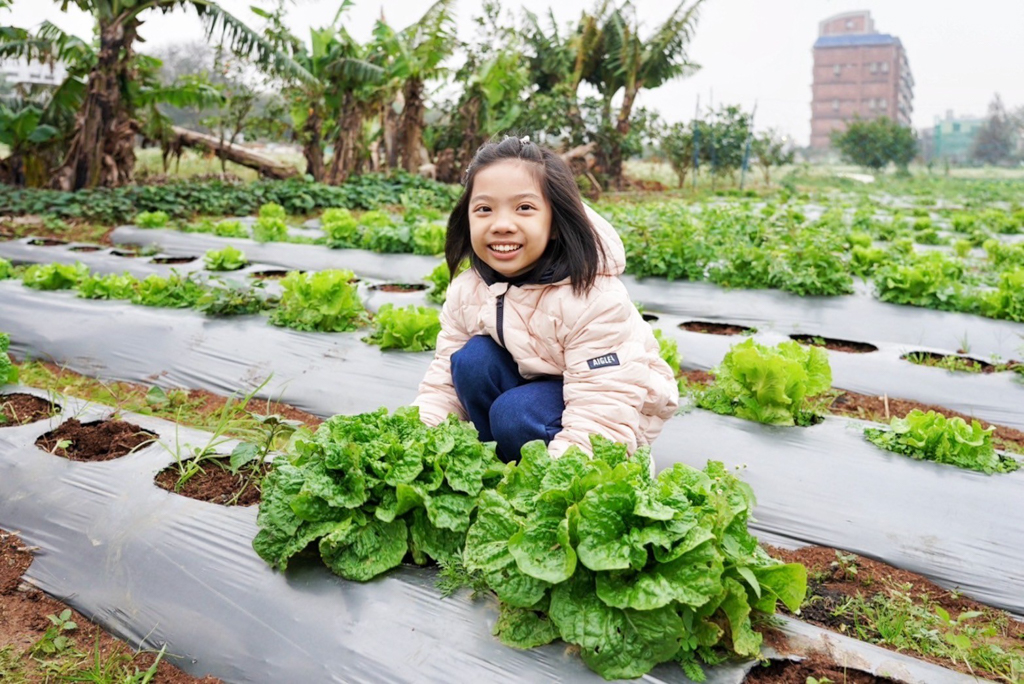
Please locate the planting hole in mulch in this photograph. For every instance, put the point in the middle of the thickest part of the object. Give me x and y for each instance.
(271, 274)
(956, 362)
(214, 483)
(174, 259)
(85, 248)
(650, 318)
(124, 253)
(716, 328)
(101, 440)
(47, 242)
(834, 344)
(817, 665)
(19, 409)
(399, 287)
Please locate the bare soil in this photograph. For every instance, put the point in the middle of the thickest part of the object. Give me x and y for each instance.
(127, 254)
(174, 259)
(23, 620)
(86, 248)
(47, 242)
(715, 328)
(399, 287)
(214, 484)
(101, 440)
(835, 344)
(271, 274)
(20, 409)
(816, 665)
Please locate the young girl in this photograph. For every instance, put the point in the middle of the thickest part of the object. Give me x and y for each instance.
(539, 338)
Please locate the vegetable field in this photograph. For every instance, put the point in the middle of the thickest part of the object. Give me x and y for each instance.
(852, 367)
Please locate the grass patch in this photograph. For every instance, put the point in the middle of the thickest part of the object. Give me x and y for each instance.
(56, 658)
(979, 640)
(228, 416)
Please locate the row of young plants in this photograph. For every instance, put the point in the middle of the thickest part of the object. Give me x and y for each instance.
(185, 199)
(784, 385)
(777, 247)
(322, 301)
(414, 231)
(632, 569)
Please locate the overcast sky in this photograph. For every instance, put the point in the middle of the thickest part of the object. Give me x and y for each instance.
(750, 50)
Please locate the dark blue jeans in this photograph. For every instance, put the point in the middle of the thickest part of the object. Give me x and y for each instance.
(505, 407)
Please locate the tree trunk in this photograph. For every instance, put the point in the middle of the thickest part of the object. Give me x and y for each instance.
(621, 131)
(389, 120)
(102, 151)
(313, 144)
(267, 167)
(346, 144)
(410, 125)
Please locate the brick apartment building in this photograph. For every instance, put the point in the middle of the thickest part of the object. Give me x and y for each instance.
(857, 72)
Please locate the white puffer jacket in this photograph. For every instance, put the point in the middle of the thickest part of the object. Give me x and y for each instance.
(615, 382)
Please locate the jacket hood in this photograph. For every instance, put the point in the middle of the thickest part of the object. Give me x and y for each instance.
(614, 251)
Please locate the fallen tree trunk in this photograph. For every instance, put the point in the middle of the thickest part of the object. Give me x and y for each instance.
(267, 167)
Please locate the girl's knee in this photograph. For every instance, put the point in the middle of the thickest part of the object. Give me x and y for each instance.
(477, 351)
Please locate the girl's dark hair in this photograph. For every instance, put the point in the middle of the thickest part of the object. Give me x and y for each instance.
(575, 248)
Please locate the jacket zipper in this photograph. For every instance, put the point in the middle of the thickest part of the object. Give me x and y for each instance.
(501, 318)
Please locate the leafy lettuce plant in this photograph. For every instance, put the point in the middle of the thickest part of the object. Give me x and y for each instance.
(270, 224)
(6, 269)
(152, 219)
(768, 384)
(428, 237)
(8, 371)
(234, 300)
(413, 328)
(174, 292)
(54, 276)
(387, 239)
(932, 436)
(340, 228)
(931, 280)
(227, 259)
(1006, 301)
(233, 229)
(323, 301)
(372, 489)
(111, 286)
(634, 570)
(440, 278)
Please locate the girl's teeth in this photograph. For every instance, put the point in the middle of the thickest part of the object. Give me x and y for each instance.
(504, 248)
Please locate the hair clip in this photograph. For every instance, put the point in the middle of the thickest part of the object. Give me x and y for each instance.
(525, 139)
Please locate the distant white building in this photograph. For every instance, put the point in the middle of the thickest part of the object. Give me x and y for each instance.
(18, 71)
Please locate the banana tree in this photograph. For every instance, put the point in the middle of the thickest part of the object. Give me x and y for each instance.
(101, 151)
(631, 63)
(50, 112)
(330, 106)
(414, 57)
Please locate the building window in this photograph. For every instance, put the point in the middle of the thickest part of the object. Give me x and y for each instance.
(835, 105)
(837, 69)
(874, 67)
(885, 67)
(849, 23)
(882, 103)
(956, 128)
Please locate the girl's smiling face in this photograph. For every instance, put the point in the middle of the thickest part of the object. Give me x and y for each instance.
(509, 219)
